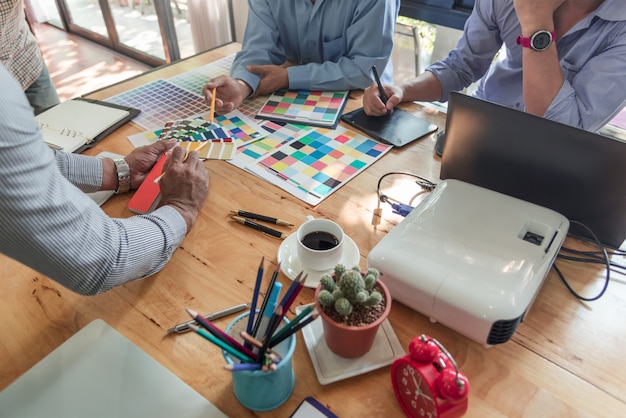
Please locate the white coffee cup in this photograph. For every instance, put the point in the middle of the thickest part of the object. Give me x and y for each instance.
(320, 243)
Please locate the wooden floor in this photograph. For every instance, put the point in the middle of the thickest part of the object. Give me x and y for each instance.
(78, 66)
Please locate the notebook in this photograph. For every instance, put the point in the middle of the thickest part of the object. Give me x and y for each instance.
(577, 173)
(398, 128)
(307, 107)
(98, 373)
(78, 124)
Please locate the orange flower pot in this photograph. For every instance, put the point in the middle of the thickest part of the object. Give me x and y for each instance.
(353, 341)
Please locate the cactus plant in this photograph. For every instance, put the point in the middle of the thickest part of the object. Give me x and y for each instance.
(347, 288)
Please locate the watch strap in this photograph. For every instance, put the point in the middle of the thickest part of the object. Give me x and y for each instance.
(123, 175)
(528, 42)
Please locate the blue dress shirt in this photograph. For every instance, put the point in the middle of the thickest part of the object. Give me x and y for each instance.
(592, 56)
(333, 42)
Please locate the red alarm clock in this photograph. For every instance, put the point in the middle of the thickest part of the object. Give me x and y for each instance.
(427, 381)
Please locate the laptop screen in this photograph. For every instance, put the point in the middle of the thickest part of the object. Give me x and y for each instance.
(580, 174)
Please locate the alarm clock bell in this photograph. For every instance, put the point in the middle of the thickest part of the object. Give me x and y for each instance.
(428, 383)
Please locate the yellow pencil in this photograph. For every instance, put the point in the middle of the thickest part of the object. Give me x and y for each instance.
(213, 103)
(202, 145)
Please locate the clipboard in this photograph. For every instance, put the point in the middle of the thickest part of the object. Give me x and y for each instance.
(398, 128)
(79, 123)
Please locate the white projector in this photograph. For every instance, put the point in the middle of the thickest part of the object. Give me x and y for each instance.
(471, 258)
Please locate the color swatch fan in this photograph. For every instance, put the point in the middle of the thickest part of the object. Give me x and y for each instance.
(316, 108)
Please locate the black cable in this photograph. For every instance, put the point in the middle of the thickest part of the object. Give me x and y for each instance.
(399, 207)
(596, 259)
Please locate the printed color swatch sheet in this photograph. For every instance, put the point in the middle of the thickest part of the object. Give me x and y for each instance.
(316, 108)
(316, 164)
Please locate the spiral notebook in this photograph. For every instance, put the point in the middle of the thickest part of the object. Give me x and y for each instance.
(78, 124)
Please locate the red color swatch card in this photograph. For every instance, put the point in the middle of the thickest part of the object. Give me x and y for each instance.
(148, 195)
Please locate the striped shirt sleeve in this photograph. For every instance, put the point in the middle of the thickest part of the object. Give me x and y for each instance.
(50, 225)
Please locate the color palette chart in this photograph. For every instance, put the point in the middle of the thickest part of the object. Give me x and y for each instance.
(176, 98)
(315, 165)
(279, 133)
(316, 108)
(195, 80)
(160, 102)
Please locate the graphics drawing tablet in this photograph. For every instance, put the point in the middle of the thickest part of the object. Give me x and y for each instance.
(398, 128)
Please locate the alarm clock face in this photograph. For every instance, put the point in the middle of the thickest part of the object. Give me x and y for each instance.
(414, 392)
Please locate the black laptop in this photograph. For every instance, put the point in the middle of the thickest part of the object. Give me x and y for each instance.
(580, 174)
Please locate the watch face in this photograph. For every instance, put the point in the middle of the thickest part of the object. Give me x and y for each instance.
(414, 392)
(541, 40)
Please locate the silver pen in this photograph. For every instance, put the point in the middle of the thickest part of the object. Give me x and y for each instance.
(184, 327)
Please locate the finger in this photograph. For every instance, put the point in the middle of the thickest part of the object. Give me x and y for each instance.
(178, 154)
(165, 144)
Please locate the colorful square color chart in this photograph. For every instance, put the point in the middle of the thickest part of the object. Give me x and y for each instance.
(315, 165)
(279, 134)
(161, 102)
(315, 108)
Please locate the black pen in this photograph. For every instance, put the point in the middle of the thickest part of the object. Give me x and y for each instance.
(259, 227)
(184, 327)
(381, 91)
(263, 218)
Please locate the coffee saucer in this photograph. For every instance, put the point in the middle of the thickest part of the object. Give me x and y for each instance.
(290, 264)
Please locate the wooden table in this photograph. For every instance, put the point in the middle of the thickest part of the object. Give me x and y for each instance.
(566, 359)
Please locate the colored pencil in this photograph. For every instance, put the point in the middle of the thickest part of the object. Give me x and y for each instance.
(255, 296)
(291, 289)
(267, 314)
(270, 286)
(219, 334)
(221, 344)
(307, 310)
(212, 113)
(236, 367)
(294, 295)
(295, 329)
(274, 356)
(274, 321)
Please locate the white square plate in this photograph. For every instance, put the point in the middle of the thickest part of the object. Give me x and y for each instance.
(330, 367)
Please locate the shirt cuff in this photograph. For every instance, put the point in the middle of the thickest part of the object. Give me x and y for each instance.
(299, 77)
(174, 219)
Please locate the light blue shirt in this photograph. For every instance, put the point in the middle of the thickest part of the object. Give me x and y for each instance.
(50, 225)
(592, 56)
(334, 42)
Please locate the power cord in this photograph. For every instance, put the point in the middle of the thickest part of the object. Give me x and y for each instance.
(598, 257)
(398, 207)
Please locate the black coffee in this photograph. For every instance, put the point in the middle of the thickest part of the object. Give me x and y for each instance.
(320, 240)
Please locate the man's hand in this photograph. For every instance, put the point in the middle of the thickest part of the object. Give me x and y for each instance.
(143, 158)
(373, 105)
(185, 185)
(273, 77)
(230, 93)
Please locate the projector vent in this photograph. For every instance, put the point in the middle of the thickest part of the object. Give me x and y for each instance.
(502, 331)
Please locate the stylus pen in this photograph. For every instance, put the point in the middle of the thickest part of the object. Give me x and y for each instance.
(258, 217)
(259, 227)
(184, 327)
(381, 91)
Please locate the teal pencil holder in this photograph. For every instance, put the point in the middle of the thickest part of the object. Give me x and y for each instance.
(263, 390)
